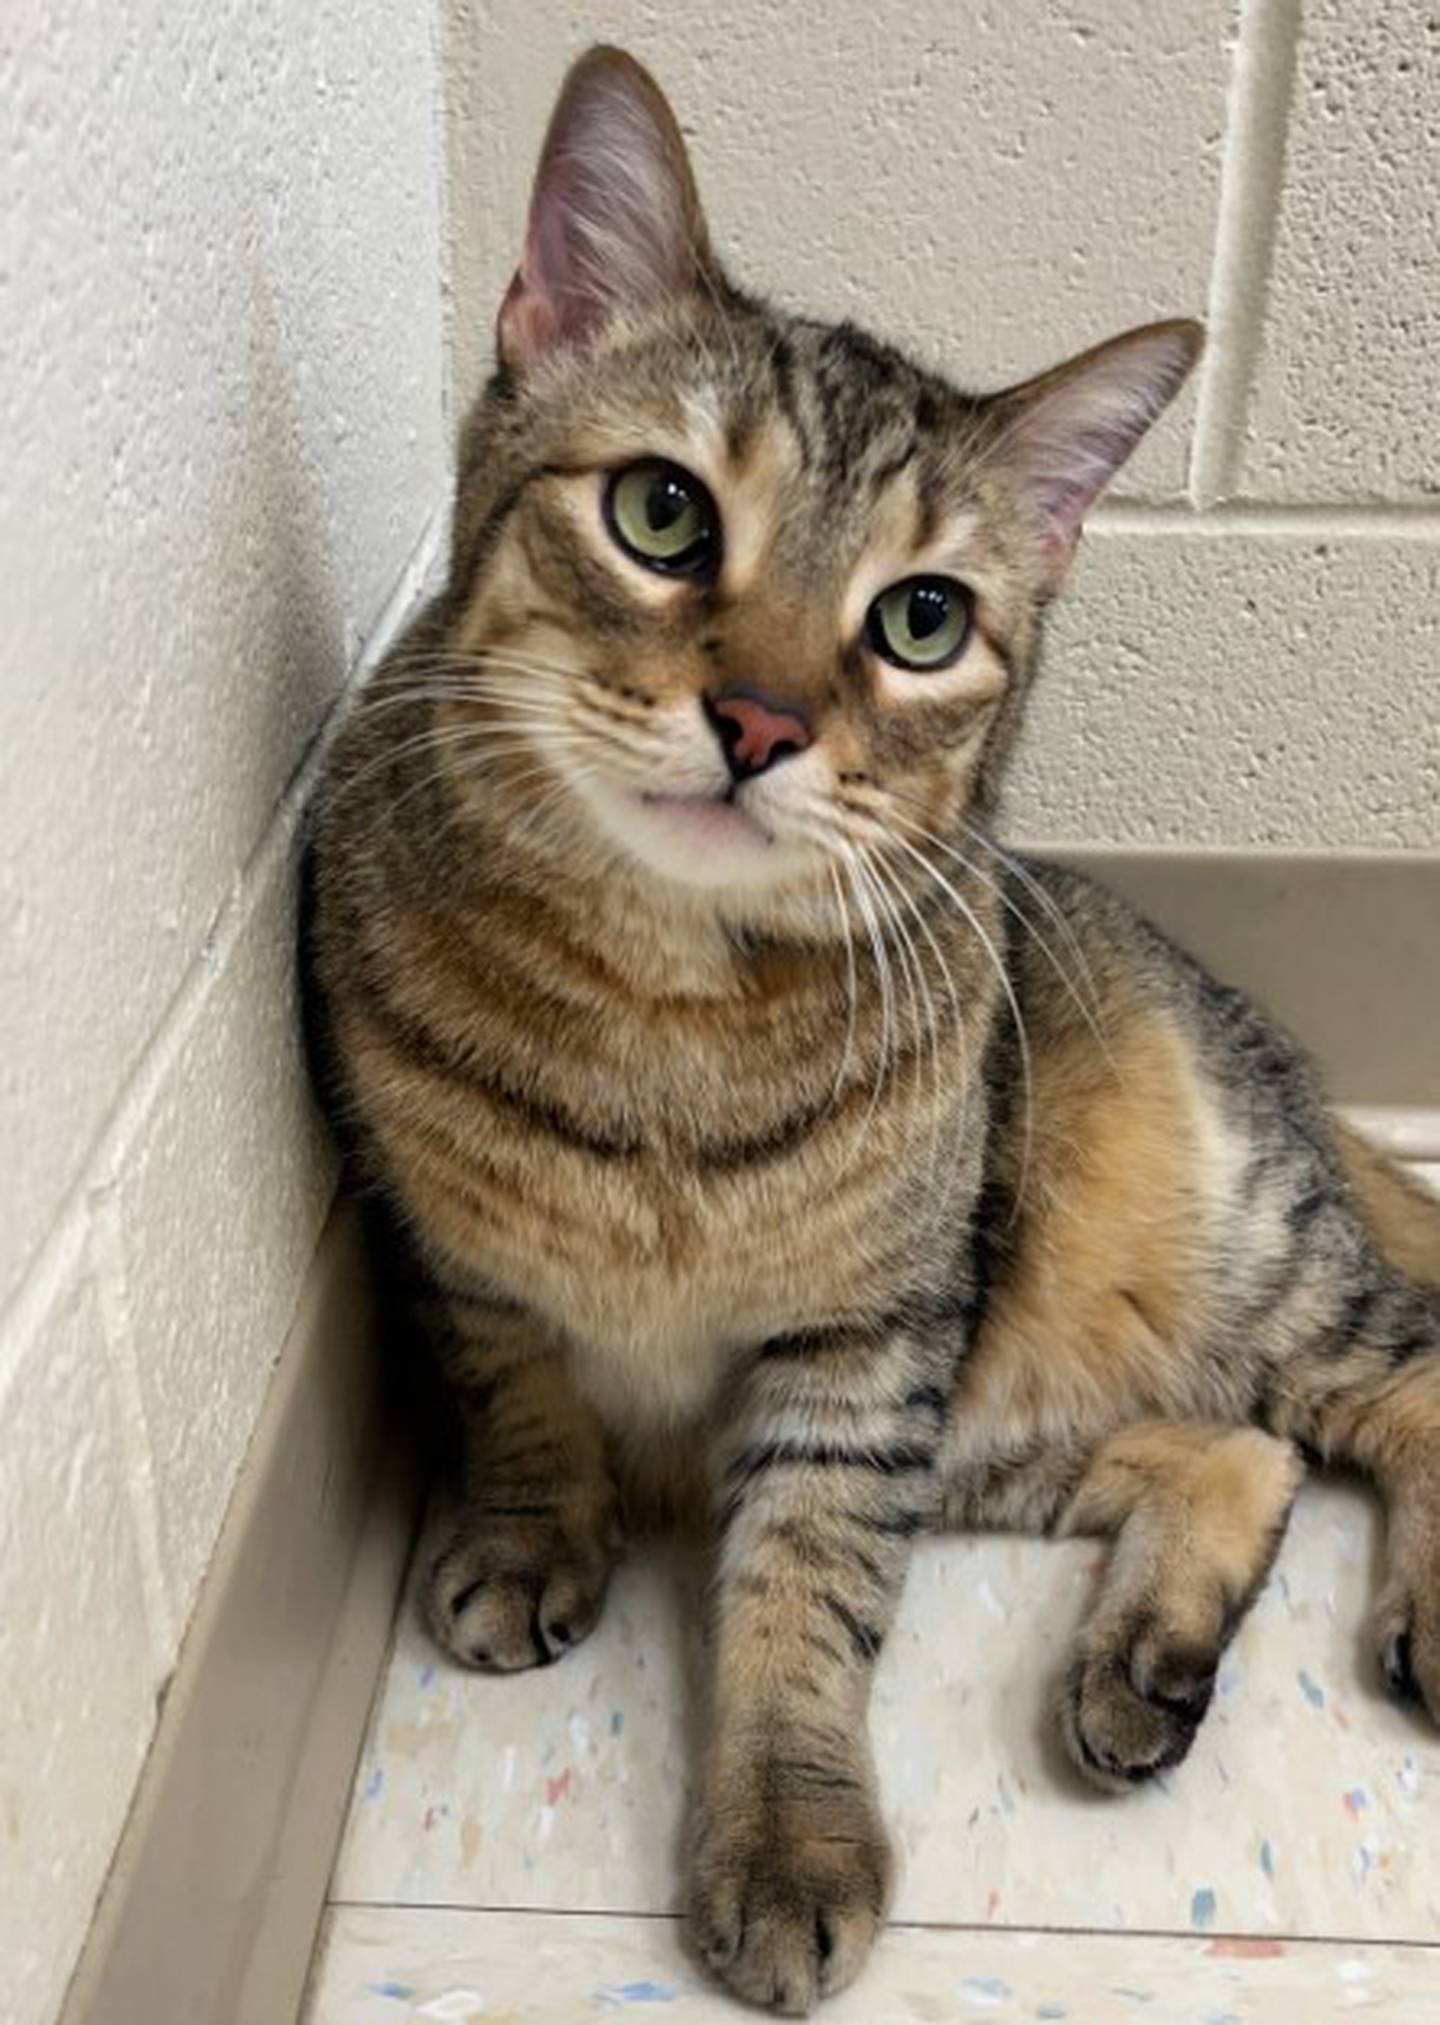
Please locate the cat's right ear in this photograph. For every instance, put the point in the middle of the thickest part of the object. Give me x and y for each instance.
(615, 219)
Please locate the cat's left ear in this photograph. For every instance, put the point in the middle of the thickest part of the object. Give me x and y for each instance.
(1063, 436)
(615, 218)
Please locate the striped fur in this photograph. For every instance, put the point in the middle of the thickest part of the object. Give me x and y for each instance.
(788, 1156)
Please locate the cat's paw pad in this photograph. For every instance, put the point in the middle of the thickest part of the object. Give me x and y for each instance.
(1131, 1710)
(784, 1911)
(515, 1591)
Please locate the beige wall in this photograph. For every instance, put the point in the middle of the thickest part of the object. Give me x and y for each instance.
(221, 405)
(1249, 654)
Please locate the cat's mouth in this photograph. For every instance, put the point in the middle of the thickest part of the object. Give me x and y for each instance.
(713, 818)
(712, 838)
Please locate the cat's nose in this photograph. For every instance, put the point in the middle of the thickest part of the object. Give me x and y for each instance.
(754, 734)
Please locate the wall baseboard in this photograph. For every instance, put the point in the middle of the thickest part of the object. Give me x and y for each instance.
(1344, 947)
(210, 1912)
(216, 1893)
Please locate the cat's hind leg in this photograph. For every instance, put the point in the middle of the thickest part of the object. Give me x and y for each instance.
(1196, 1512)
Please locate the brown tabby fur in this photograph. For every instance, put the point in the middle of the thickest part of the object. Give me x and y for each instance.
(907, 1184)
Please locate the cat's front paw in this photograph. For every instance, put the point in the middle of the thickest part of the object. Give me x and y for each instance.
(517, 1587)
(1407, 1628)
(787, 1895)
(1130, 1710)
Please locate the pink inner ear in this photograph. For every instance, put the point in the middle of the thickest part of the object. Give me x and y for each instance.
(1063, 501)
(526, 322)
(614, 221)
(548, 302)
(1076, 454)
(1078, 427)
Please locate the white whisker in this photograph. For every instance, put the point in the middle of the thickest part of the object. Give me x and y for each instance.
(1033, 886)
(886, 985)
(907, 899)
(851, 1010)
(885, 883)
(1089, 1013)
(885, 911)
(1002, 975)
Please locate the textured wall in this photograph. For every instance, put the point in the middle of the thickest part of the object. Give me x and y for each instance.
(221, 405)
(1249, 653)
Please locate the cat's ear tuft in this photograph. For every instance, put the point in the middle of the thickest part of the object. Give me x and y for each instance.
(615, 218)
(1064, 435)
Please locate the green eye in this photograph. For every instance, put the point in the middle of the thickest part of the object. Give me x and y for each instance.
(921, 623)
(662, 516)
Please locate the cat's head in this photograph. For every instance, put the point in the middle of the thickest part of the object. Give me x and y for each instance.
(756, 594)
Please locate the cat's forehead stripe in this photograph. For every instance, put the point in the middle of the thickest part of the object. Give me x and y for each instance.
(782, 367)
(793, 449)
(867, 402)
(761, 475)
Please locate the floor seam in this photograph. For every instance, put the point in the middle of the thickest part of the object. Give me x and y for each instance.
(1209, 1935)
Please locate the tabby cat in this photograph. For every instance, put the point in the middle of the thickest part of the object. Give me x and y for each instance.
(762, 1128)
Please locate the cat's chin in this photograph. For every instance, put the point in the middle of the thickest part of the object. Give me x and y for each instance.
(697, 840)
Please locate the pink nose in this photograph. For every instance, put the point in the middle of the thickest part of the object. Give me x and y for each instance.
(754, 734)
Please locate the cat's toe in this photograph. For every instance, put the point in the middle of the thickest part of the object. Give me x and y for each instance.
(1407, 1627)
(501, 1598)
(785, 1912)
(1128, 1714)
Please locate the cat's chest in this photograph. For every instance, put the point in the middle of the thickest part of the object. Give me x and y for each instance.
(667, 1186)
(662, 1276)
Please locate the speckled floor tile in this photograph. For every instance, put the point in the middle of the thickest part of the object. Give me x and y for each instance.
(1306, 1809)
(419, 1967)
(1308, 1806)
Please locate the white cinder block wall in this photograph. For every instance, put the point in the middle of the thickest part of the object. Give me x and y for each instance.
(224, 446)
(223, 407)
(1250, 653)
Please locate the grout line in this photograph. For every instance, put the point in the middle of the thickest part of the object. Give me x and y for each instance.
(1374, 520)
(440, 1905)
(64, 1242)
(1197, 1935)
(1089, 1933)
(1251, 186)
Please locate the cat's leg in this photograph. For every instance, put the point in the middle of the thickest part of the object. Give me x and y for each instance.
(523, 1574)
(1371, 1395)
(1197, 1513)
(826, 1474)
